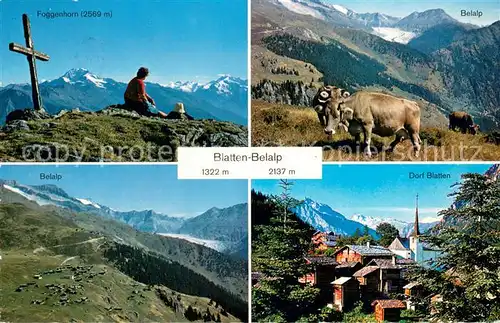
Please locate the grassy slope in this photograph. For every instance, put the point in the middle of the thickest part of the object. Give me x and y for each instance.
(88, 135)
(262, 56)
(293, 126)
(35, 239)
(112, 296)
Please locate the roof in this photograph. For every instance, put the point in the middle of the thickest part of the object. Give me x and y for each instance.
(399, 244)
(321, 260)
(365, 271)
(383, 263)
(389, 303)
(341, 280)
(330, 243)
(405, 262)
(348, 264)
(370, 250)
(411, 285)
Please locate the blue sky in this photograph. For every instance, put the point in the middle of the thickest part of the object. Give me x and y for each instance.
(379, 190)
(402, 8)
(132, 187)
(176, 39)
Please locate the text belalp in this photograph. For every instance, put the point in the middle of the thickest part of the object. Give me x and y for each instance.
(50, 176)
(471, 13)
(255, 157)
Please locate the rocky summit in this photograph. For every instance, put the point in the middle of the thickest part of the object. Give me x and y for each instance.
(112, 134)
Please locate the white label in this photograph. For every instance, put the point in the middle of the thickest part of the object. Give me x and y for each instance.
(249, 163)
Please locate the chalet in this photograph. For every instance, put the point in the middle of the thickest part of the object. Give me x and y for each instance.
(391, 277)
(388, 310)
(347, 269)
(324, 271)
(324, 240)
(369, 282)
(412, 290)
(345, 293)
(361, 253)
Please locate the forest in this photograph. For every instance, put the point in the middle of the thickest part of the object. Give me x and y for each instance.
(154, 269)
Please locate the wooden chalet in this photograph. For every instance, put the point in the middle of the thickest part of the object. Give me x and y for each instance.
(324, 270)
(345, 293)
(324, 240)
(369, 282)
(412, 290)
(391, 278)
(362, 253)
(388, 310)
(347, 269)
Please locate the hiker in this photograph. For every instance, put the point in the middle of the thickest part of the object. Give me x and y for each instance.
(138, 100)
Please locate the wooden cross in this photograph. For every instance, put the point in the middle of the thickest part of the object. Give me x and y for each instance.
(31, 55)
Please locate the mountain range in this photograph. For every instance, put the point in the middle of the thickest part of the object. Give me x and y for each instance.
(99, 266)
(424, 56)
(324, 218)
(224, 230)
(223, 99)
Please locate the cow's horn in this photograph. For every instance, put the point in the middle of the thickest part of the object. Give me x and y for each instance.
(324, 94)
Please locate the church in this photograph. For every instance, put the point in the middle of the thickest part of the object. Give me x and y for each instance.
(413, 248)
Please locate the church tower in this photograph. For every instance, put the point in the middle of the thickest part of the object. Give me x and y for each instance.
(414, 245)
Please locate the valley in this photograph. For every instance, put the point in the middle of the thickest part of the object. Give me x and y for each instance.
(66, 258)
(423, 57)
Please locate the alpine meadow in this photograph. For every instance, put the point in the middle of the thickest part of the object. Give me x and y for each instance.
(445, 68)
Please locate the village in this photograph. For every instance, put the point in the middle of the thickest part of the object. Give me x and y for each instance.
(371, 274)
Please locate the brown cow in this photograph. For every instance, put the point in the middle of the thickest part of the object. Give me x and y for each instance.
(463, 121)
(322, 99)
(372, 112)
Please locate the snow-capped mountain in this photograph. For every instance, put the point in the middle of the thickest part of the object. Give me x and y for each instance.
(422, 227)
(377, 19)
(421, 21)
(323, 217)
(226, 85)
(394, 29)
(373, 222)
(212, 228)
(223, 99)
(146, 220)
(188, 86)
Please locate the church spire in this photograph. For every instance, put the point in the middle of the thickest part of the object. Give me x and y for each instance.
(416, 231)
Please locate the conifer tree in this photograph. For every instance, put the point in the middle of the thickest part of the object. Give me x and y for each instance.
(467, 274)
(278, 254)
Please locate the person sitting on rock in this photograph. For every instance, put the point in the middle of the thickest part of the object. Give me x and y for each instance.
(138, 100)
(179, 113)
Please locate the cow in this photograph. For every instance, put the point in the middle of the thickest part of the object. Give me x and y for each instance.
(463, 121)
(322, 97)
(372, 112)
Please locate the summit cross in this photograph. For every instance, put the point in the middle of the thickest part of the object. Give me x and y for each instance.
(32, 55)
